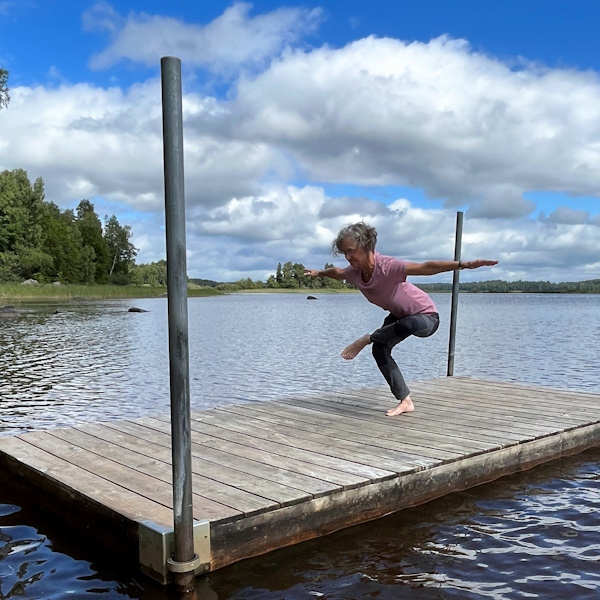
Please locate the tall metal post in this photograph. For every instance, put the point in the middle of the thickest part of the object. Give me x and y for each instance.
(455, 284)
(182, 564)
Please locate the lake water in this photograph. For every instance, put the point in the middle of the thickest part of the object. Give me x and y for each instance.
(532, 535)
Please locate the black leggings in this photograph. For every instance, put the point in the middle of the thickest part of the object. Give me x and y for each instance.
(393, 331)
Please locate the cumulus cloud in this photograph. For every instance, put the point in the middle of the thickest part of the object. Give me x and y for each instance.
(86, 141)
(501, 201)
(568, 216)
(436, 115)
(233, 40)
(251, 235)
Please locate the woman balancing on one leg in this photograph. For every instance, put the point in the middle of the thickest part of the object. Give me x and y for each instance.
(382, 280)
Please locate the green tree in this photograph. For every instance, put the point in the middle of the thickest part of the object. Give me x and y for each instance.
(287, 276)
(33, 202)
(62, 241)
(298, 275)
(121, 251)
(9, 264)
(21, 225)
(272, 282)
(39, 241)
(14, 219)
(330, 283)
(153, 274)
(4, 96)
(33, 262)
(88, 264)
(90, 228)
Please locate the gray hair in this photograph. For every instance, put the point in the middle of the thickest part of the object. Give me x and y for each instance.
(364, 235)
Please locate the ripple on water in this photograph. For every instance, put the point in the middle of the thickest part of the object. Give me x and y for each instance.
(96, 361)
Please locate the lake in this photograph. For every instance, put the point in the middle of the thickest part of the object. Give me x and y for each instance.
(530, 535)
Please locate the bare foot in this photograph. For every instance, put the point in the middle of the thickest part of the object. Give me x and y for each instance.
(355, 347)
(406, 406)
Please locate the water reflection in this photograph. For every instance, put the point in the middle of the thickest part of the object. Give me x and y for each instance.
(95, 360)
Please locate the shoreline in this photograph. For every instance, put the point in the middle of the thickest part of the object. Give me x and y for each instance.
(11, 292)
(15, 292)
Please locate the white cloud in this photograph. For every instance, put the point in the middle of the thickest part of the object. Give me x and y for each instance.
(568, 216)
(461, 125)
(233, 40)
(247, 239)
(108, 143)
(102, 17)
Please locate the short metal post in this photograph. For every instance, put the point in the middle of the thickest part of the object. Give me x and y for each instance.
(183, 561)
(455, 286)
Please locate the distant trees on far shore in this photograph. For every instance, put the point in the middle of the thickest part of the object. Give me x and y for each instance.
(497, 286)
(291, 276)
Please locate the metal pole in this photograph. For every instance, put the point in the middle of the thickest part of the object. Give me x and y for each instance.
(455, 283)
(182, 563)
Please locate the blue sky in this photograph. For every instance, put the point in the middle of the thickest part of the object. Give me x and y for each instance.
(556, 33)
(302, 117)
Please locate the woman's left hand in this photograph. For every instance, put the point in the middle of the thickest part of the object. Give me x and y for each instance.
(475, 264)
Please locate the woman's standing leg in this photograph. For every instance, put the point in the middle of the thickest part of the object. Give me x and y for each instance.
(392, 332)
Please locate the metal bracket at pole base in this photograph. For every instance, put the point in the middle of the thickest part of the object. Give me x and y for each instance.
(183, 567)
(156, 546)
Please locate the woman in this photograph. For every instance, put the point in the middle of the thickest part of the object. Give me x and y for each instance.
(382, 280)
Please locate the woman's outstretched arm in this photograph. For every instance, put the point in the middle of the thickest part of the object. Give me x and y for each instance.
(433, 267)
(333, 272)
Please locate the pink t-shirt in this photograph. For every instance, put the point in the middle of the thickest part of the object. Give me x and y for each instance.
(389, 289)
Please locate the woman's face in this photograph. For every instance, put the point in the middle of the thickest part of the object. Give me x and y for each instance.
(354, 254)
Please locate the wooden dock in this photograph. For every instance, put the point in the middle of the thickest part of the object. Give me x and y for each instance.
(271, 474)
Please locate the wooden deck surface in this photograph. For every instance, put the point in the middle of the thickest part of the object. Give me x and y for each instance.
(270, 474)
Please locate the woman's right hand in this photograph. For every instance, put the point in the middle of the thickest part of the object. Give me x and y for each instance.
(311, 273)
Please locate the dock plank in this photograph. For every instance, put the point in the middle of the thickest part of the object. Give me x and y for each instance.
(231, 496)
(237, 473)
(493, 423)
(365, 450)
(580, 407)
(352, 454)
(475, 428)
(377, 424)
(148, 486)
(339, 473)
(150, 427)
(61, 472)
(352, 430)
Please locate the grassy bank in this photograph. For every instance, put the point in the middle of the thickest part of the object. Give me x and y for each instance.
(14, 292)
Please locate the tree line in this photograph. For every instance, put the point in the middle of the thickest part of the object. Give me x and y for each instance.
(40, 241)
(291, 276)
(591, 286)
(287, 276)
